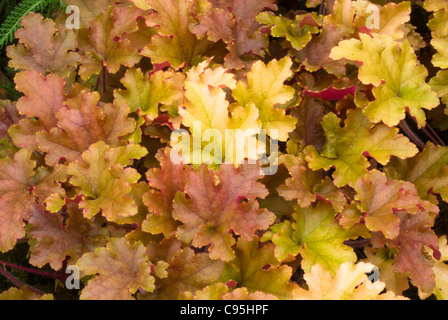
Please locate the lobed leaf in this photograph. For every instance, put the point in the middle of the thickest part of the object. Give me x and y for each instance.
(122, 268)
(53, 239)
(145, 92)
(213, 210)
(349, 283)
(415, 234)
(256, 269)
(266, 89)
(44, 47)
(427, 171)
(398, 78)
(316, 235)
(233, 22)
(103, 45)
(105, 182)
(83, 123)
(187, 272)
(174, 43)
(165, 182)
(345, 148)
(380, 198)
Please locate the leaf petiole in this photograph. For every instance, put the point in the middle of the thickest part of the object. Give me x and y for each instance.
(405, 127)
(17, 282)
(56, 275)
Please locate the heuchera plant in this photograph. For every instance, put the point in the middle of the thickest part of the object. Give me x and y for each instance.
(356, 108)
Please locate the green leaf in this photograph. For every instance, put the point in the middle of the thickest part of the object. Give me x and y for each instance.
(316, 235)
(346, 147)
(393, 69)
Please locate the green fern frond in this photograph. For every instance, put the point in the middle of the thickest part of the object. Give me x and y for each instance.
(12, 22)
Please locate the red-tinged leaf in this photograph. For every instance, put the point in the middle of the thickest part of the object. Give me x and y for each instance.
(428, 171)
(215, 207)
(187, 272)
(102, 44)
(20, 187)
(43, 96)
(82, 124)
(141, 37)
(174, 42)
(215, 23)
(380, 198)
(415, 234)
(306, 185)
(23, 134)
(44, 47)
(8, 116)
(15, 199)
(234, 23)
(332, 93)
(308, 129)
(165, 182)
(440, 269)
(165, 250)
(316, 54)
(53, 238)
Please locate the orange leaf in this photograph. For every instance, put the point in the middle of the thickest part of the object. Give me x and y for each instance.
(83, 124)
(43, 47)
(56, 239)
(165, 182)
(122, 268)
(214, 209)
(380, 198)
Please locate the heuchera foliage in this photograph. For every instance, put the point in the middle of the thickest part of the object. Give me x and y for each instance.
(87, 179)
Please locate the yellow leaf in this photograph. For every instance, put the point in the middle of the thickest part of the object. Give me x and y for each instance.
(349, 283)
(266, 89)
(393, 69)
